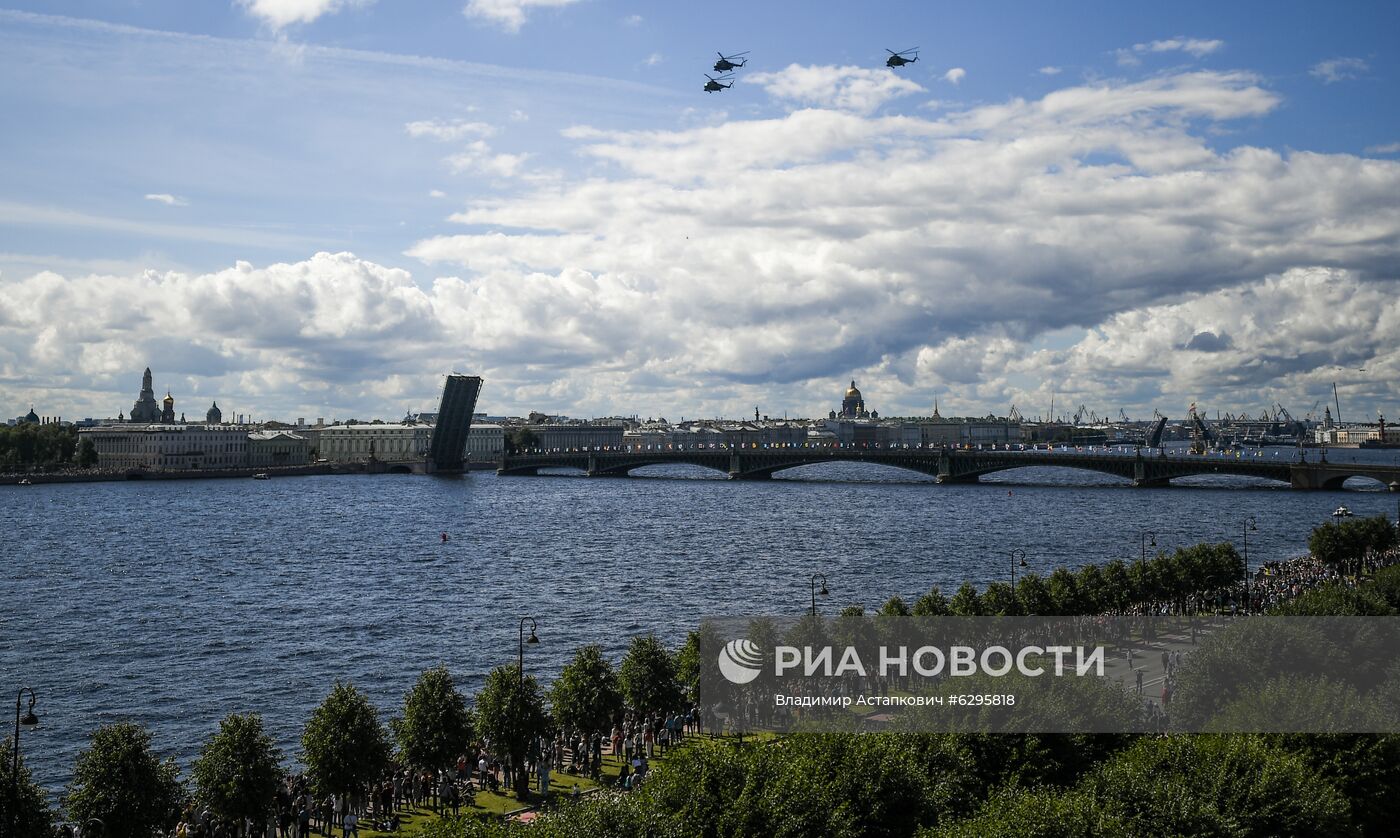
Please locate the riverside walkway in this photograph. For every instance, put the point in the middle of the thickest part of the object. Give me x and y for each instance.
(954, 465)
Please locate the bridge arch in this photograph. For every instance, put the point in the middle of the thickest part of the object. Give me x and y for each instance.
(769, 469)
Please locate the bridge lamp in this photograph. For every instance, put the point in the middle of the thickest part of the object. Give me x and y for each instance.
(1018, 559)
(1147, 539)
(28, 721)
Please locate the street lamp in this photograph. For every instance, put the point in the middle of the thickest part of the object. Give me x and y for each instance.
(1014, 555)
(1143, 539)
(533, 641)
(29, 721)
(1249, 526)
(823, 591)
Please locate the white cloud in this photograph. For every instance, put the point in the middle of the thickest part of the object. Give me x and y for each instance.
(436, 193)
(1195, 47)
(1049, 71)
(282, 13)
(478, 157)
(954, 75)
(923, 253)
(632, 20)
(509, 15)
(448, 131)
(518, 115)
(167, 199)
(654, 59)
(1388, 148)
(858, 89)
(1339, 69)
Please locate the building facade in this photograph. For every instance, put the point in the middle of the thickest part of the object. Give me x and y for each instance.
(269, 449)
(486, 443)
(168, 447)
(361, 443)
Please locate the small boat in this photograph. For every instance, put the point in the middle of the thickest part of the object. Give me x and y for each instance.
(262, 475)
(1342, 512)
(25, 481)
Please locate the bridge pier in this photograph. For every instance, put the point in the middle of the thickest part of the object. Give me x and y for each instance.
(750, 475)
(958, 478)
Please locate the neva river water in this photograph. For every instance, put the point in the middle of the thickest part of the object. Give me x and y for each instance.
(175, 603)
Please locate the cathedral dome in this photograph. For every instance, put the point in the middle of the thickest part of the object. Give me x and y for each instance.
(853, 393)
(31, 417)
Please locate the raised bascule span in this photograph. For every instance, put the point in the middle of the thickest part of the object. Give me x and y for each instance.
(953, 465)
(447, 450)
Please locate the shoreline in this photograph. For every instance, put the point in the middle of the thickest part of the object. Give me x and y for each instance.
(135, 475)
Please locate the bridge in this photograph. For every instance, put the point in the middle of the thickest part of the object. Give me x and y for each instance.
(954, 465)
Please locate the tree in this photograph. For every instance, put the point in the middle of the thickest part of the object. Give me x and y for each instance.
(998, 600)
(29, 813)
(586, 694)
(436, 726)
(344, 745)
(1063, 589)
(648, 676)
(87, 453)
(521, 439)
(893, 607)
(237, 773)
(511, 714)
(931, 604)
(966, 602)
(1033, 596)
(689, 665)
(121, 783)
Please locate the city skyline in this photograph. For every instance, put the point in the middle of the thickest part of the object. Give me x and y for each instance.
(320, 208)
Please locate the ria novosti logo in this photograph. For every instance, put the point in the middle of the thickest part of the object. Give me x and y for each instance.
(740, 661)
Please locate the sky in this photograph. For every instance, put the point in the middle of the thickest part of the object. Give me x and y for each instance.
(317, 208)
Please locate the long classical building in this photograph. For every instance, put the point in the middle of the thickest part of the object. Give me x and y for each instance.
(361, 443)
(169, 447)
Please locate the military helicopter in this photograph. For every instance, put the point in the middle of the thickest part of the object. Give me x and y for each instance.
(714, 85)
(726, 62)
(899, 59)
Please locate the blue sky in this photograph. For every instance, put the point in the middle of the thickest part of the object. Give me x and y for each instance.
(1056, 199)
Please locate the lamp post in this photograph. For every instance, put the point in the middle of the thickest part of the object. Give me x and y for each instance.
(30, 721)
(1143, 539)
(532, 641)
(1014, 555)
(1249, 525)
(823, 591)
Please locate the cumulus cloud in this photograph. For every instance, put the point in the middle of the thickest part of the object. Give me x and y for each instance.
(478, 157)
(167, 199)
(448, 131)
(1083, 243)
(858, 89)
(925, 252)
(509, 15)
(1387, 148)
(1195, 47)
(954, 75)
(1049, 71)
(1339, 69)
(282, 13)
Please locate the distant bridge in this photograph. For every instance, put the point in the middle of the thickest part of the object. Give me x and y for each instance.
(954, 465)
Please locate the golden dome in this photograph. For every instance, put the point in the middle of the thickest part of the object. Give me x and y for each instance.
(853, 393)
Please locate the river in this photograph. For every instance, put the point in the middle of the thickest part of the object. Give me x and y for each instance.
(174, 603)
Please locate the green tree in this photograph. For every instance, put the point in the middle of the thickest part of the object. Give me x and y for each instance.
(510, 713)
(1065, 596)
(586, 694)
(520, 439)
(966, 602)
(120, 782)
(893, 607)
(436, 726)
(648, 676)
(87, 454)
(932, 604)
(237, 773)
(1033, 596)
(998, 600)
(29, 812)
(689, 666)
(344, 745)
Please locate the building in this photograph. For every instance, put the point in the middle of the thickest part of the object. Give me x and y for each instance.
(168, 447)
(145, 411)
(486, 443)
(576, 436)
(853, 405)
(267, 449)
(214, 416)
(361, 443)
